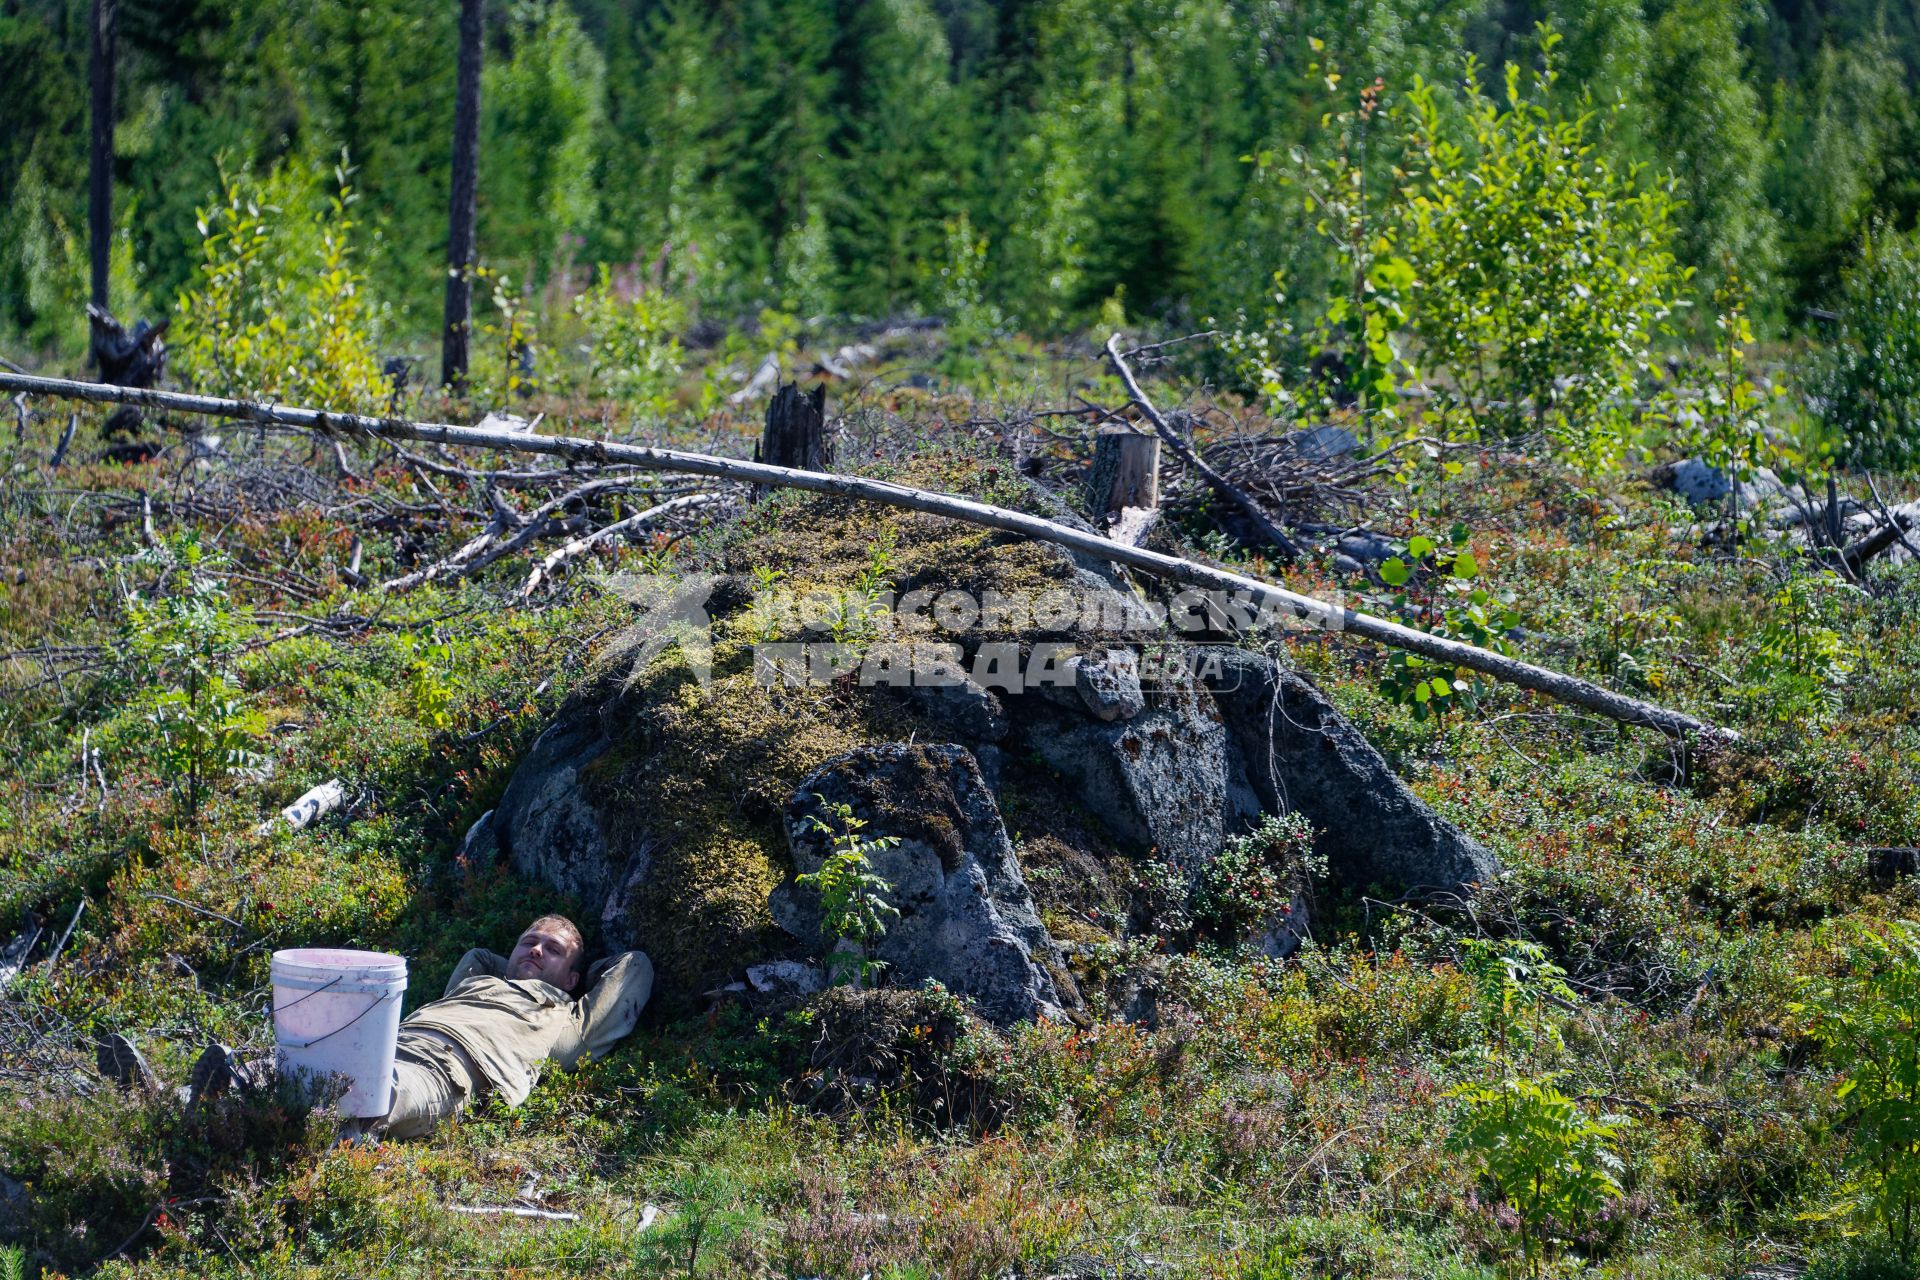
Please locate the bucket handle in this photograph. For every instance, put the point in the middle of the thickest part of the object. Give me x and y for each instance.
(371, 1006)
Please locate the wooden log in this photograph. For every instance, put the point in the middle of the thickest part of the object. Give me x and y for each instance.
(311, 807)
(544, 571)
(1125, 473)
(579, 450)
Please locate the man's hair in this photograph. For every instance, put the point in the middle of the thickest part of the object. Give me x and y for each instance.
(567, 929)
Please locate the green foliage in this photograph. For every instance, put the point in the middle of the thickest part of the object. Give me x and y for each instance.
(1553, 1164)
(854, 614)
(541, 118)
(1866, 381)
(853, 897)
(1543, 270)
(1707, 127)
(1731, 432)
(1799, 661)
(958, 287)
(506, 349)
(1517, 988)
(183, 636)
(1254, 877)
(279, 309)
(634, 335)
(429, 680)
(1867, 1019)
(1442, 590)
(1366, 312)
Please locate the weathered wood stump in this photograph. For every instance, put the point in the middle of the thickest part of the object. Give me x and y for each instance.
(796, 431)
(1123, 485)
(126, 359)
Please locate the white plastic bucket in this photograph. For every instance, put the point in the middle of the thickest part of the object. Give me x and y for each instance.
(337, 1013)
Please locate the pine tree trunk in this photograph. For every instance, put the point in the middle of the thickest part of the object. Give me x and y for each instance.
(462, 206)
(100, 154)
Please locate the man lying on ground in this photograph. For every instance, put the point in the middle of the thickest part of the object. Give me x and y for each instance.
(501, 1019)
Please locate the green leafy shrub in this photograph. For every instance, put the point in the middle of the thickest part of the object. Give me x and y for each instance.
(1867, 1020)
(957, 285)
(1795, 670)
(1543, 271)
(633, 334)
(280, 310)
(1358, 341)
(853, 897)
(1866, 381)
(506, 346)
(183, 638)
(1551, 1162)
(1441, 590)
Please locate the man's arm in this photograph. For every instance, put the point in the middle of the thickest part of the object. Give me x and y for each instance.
(477, 963)
(607, 1012)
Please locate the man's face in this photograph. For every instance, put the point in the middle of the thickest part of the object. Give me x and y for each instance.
(546, 955)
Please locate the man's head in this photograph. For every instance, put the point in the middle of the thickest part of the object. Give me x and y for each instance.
(549, 949)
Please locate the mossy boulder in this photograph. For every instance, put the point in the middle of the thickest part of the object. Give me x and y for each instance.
(666, 799)
(965, 917)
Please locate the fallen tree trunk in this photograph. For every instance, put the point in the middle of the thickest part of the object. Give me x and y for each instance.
(544, 571)
(576, 449)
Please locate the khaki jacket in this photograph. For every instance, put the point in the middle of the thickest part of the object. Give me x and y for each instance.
(510, 1027)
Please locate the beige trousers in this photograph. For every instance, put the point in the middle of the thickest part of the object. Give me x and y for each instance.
(432, 1080)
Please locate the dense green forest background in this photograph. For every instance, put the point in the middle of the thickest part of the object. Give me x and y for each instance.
(836, 157)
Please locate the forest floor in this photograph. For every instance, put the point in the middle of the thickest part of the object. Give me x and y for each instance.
(1280, 1119)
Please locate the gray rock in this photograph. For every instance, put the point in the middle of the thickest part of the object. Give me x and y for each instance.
(479, 846)
(545, 823)
(964, 709)
(1109, 683)
(1296, 752)
(1324, 443)
(1367, 548)
(786, 977)
(1157, 781)
(966, 918)
(1699, 483)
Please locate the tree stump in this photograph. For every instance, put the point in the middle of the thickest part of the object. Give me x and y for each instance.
(1123, 486)
(136, 359)
(796, 431)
